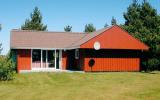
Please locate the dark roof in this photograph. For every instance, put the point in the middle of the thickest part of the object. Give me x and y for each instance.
(25, 39)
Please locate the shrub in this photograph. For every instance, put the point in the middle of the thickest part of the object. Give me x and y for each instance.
(153, 64)
(12, 55)
(7, 68)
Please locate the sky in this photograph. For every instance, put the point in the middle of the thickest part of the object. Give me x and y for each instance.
(59, 13)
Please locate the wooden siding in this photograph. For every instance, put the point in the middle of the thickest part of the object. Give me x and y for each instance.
(113, 64)
(64, 60)
(115, 38)
(24, 59)
(110, 60)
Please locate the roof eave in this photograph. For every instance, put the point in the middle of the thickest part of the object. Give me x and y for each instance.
(68, 48)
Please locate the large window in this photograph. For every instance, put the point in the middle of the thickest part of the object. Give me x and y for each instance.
(45, 60)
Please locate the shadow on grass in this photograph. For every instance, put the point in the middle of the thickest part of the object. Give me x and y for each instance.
(151, 72)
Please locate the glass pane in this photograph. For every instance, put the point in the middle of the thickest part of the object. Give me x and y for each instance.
(36, 58)
(44, 58)
(51, 61)
(57, 59)
(36, 55)
(44, 55)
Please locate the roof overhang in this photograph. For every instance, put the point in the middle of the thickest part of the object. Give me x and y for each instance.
(44, 48)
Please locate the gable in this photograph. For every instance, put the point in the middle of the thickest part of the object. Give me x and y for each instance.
(115, 38)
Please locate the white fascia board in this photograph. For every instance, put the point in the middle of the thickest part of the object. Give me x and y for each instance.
(44, 48)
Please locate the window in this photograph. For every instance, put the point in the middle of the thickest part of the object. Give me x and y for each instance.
(36, 58)
(45, 58)
(76, 54)
(36, 55)
(51, 58)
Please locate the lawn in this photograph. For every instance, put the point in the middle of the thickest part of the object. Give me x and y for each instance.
(82, 86)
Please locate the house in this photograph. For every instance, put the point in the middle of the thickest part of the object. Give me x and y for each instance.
(108, 49)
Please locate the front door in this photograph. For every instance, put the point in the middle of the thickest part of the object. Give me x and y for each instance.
(72, 65)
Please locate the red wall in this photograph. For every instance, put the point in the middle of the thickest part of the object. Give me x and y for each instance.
(110, 60)
(115, 38)
(113, 64)
(105, 60)
(24, 59)
(64, 60)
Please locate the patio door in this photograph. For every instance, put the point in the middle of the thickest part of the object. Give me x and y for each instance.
(46, 59)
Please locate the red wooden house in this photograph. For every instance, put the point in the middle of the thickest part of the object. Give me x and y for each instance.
(108, 49)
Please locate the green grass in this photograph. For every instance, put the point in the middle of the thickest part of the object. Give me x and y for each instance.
(82, 86)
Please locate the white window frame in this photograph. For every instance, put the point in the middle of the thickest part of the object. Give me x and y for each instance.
(41, 67)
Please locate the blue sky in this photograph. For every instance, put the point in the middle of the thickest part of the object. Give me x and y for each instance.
(59, 13)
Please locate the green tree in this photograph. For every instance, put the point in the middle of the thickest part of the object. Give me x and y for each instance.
(0, 43)
(7, 68)
(143, 22)
(68, 28)
(89, 28)
(35, 22)
(113, 21)
(0, 48)
(106, 25)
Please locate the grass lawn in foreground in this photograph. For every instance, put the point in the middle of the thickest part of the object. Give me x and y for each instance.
(82, 86)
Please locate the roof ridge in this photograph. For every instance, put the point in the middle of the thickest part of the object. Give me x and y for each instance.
(19, 30)
(79, 40)
(99, 32)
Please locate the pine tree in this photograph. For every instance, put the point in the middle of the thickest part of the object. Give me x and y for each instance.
(106, 25)
(68, 28)
(113, 21)
(89, 28)
(0, 48)
(35, 22)
(0, 43)
(143, 22)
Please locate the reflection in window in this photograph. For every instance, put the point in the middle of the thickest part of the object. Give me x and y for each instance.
(36, 55)
(36, 58)
(51, 56)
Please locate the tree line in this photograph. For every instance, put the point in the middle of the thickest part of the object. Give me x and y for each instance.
(35, 23)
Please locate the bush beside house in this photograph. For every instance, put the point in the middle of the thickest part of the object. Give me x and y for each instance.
(7, 68)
